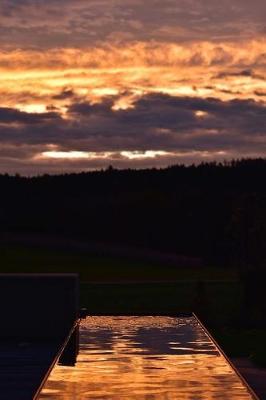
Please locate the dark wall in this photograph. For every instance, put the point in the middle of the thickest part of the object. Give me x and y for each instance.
(39, 306)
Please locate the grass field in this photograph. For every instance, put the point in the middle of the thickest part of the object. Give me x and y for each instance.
(114, 286)
(102, 269)
(243, 343)
(121, 286)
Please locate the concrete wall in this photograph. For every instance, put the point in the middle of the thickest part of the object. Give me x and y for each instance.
(38, 306)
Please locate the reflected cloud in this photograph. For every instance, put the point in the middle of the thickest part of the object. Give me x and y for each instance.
(145, 358)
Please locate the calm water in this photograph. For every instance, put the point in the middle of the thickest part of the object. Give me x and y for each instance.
(145, 358)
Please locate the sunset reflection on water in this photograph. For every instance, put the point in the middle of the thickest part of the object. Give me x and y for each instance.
(145, 358)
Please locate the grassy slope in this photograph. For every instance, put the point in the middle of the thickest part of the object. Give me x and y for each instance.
(243, 343)
(121, 286)
(102, 269)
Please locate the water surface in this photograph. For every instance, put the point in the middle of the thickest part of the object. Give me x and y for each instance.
(147, 358)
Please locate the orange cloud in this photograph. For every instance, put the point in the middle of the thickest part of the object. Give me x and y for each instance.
(223, 70)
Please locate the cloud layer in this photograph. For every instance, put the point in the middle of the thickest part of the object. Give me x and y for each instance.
(60, 23)
(130, 83)
(157, 130)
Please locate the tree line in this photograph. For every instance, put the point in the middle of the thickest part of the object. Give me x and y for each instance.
(215, 211)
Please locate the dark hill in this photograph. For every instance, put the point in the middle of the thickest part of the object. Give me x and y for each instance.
(213, 211)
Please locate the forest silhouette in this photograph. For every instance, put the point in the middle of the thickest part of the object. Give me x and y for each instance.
(214, 212)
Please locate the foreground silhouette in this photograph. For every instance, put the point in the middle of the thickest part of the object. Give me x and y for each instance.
(213, 212)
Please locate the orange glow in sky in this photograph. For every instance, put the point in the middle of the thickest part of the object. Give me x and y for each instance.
(141, 80)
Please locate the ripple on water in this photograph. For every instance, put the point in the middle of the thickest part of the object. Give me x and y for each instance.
(145, 358)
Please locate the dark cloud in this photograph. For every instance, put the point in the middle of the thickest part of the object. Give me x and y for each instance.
(242, 73)
(186, 129)
(260, 93)
(157, 122)
(11, 115)
(56, 23)
(65, 94)
(79, 45)
(87, 109)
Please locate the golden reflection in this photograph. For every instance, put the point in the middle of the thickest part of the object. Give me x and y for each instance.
(145, 358)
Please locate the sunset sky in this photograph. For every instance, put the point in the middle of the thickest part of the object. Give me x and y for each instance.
(132, 83)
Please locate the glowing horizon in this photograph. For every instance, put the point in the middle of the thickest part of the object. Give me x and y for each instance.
(168, 87)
